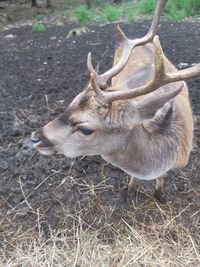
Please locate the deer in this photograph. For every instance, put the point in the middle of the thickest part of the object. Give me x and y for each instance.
(136, 115)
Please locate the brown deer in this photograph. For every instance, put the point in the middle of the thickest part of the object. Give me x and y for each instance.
(141, 123)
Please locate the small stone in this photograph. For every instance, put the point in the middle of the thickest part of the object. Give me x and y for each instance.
(9, 36)
(183, 65)
(61, 101)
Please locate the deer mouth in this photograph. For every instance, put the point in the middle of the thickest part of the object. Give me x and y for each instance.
(42, 144)
(44, 150)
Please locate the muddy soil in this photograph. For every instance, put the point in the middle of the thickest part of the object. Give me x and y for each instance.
(40, 74)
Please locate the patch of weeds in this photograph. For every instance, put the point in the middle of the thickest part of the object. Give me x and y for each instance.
(38, 27)
(66, 13)
(147, 6)
(84, 15)
(178, 9)
(175, 9)
(129, 11)
(40, 17)
(173, 13)
(1, 28)
(110, 13)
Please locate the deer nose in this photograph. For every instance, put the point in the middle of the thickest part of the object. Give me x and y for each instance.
(36, 137)
(39, 138)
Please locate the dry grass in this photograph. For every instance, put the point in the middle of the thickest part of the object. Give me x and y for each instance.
(85, 249)
(168, 244)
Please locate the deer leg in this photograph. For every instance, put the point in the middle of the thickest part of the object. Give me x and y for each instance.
(130, 192)
(159, 192)
(132, 186)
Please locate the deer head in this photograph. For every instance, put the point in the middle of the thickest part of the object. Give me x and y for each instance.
(110, 119)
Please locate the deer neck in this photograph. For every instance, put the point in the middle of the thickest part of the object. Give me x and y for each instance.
(135, 159)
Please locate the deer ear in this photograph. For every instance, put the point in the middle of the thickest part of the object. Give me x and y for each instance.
(156, 110)
(161, 119)
(148, 107)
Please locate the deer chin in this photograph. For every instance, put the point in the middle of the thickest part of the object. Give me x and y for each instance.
(46, 151)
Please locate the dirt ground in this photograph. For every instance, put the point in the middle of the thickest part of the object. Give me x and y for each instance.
(40, 74)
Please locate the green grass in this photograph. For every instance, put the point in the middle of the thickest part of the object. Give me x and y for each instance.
(111, 13)
(175, 9)
(66, 13)
(38, 27)
(147, 6)
(84, 15)
(40, 17)
(104, 14)
(108, 13)
(1, 28)
(130, 11)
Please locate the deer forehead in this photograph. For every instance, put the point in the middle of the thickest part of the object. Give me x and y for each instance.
(83, 109)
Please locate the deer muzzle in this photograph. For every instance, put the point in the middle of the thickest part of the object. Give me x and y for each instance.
(42, 143)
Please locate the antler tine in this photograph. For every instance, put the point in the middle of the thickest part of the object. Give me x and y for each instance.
(185, 74)
(155, 23)
(159, 71)
(95, 86)
(99, 94)
(159, 79)
(128, 46)
(120, 32)
(89, 64)
(99, 80)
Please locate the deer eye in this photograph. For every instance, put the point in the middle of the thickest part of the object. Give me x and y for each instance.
(85, 131)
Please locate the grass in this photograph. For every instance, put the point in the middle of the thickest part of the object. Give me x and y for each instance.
(98, 234)
(175, 9)
(180, 9)
(40, 17)
(38, 27)
(147, 6)
(83, 14)
(1, 28)
(111, 13)
(162, 245)
(129, 11)
(101, 15)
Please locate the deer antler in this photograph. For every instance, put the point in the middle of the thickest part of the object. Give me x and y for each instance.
(159, 79)
(128, 46)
